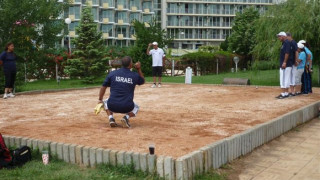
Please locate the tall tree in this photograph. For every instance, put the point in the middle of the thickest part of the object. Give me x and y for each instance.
(30, 24)
(144, 36)
(242, 39)
(33, 27)
(300, 17)
(88, 62)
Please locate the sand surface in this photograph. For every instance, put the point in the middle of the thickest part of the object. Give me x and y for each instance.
(177, 118)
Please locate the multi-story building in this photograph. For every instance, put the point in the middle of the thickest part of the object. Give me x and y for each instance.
(194, 23)
(113, 17)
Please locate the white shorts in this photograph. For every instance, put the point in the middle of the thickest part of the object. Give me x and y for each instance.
(298, 76)
(285, 75)
(134, 111)
(293, 76)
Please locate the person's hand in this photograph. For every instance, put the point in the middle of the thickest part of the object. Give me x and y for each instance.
(150, 44)
(137, 65)
(310, 70)
(284, 65)
(100, 101)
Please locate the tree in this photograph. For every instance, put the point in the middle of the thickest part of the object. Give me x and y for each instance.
(300, 17)
(145, 35)
(33, 27)
(88, 62)
(242, 39)
(30, 24)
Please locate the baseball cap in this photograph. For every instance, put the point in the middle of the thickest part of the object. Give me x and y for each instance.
(282, 34)
(155, 43)
(302, 41)
(300, 45)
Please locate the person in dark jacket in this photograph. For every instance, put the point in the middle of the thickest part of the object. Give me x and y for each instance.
(8, 60)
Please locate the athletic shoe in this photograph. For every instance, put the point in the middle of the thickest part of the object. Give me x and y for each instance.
(282, 97)
(291, 94)
(112, 122)
(153, 85)
(5, 96)
(159, 85)
(11, 95)
(298, 93)
(125, 121)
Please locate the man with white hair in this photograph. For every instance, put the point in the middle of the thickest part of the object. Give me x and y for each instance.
(158, 58)
(285, 65)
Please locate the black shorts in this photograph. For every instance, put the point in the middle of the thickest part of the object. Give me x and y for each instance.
(157, 71)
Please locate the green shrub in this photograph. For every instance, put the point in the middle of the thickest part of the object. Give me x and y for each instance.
(206, 62)
(264, 65)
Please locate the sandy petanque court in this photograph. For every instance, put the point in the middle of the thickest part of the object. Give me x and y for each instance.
(177, 118)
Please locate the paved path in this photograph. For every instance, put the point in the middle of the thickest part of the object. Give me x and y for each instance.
(293, 156)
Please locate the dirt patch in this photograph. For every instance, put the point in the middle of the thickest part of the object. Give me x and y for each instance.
(178, 119)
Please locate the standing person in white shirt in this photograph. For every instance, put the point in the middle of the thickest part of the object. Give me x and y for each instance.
(158, 58)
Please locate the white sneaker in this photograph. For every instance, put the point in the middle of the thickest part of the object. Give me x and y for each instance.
(153, 85)
(10, 95)
(159, 85)
(5, 96)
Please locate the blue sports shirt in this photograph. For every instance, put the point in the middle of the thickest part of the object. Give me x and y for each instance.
(285, 49)
(309, 52)
(303, 58)
(122, 83)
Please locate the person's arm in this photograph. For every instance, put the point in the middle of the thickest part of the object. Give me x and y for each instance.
(101, 93)
(297, 57)
(286, 56)
(148, 49)
(310, 62)
(284, 64)
(138, 67)
(2, 57)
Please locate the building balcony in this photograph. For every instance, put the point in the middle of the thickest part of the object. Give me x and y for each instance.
(105, 35)
(222, 2)
(72, 33)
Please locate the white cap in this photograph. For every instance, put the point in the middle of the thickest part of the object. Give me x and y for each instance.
(282, 34)
(302, 41)
(155, 43)
(300, 45)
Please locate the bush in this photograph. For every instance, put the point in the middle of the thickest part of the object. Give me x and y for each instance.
(206, 62)
(264, 65)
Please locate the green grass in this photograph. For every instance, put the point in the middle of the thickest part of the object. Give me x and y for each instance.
(57, 169)
(261, 78)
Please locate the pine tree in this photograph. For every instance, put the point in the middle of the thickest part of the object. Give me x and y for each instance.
(88, 63)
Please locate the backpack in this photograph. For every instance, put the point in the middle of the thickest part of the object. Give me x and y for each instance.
(5, 156)
(21, 155)
(18, 157)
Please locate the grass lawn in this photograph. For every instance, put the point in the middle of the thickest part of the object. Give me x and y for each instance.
(58, 169)
(261, 78)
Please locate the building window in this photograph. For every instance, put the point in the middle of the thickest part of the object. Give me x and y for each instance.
(135, 16)
(94, 12)
(75, 10)
(107, 14)
(107, 28)
(121, 30)
(135, 3)
(122, 15)
(110, 3)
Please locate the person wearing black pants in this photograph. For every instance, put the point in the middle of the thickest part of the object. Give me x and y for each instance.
(8, 59)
